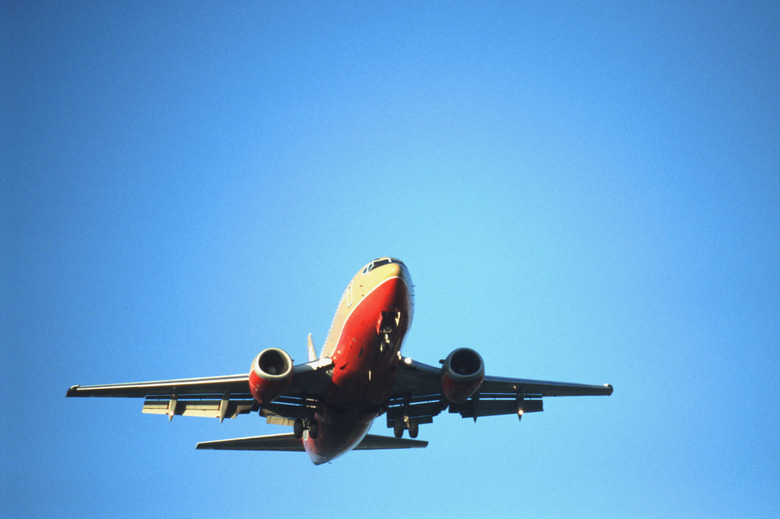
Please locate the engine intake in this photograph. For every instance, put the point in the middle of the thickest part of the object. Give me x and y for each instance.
(271, 372)
(462, 375)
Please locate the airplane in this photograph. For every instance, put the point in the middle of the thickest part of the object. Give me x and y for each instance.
(332, 400)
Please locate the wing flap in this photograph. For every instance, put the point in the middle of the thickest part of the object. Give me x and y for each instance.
(202, 408)
(477, 407)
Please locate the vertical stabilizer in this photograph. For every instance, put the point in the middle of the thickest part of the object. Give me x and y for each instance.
(312, 351)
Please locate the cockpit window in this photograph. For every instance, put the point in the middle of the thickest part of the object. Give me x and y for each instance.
(378, 263)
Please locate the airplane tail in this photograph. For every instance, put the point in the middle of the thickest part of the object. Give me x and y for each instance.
(271, 442)
(375, 442)
(312, 351)
(288, 442)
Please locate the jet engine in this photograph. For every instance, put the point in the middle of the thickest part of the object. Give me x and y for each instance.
(271, 372)
(462, 375)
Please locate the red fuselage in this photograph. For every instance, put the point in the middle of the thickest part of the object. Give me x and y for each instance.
(376, 312)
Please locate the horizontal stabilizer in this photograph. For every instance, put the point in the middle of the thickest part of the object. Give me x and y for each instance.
(288, 442)
(374, 441)
(272, 442)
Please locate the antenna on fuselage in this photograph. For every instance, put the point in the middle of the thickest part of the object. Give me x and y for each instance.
(312, 351)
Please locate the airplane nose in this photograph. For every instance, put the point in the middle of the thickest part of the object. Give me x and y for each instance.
(394, 270)
(398, 270)
(402, 288)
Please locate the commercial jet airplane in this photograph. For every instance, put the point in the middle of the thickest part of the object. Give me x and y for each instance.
(332, 400)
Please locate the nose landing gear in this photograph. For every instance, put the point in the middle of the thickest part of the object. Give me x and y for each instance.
(386, 326)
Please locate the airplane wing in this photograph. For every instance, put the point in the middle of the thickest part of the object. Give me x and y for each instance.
(219, 397)
(417, 394)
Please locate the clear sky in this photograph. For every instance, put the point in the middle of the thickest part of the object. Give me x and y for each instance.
(587, 193)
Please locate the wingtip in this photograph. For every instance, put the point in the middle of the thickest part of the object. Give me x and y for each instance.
(610, 388)
(72, 391)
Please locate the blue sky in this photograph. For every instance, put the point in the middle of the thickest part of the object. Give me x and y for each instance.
(587, 193)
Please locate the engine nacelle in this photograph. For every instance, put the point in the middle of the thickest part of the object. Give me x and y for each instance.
(271, 372)
(462, 375)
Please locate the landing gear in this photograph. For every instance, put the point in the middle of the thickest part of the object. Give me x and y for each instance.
(410, 423)
(398, 428)
(414, 428)
(385, 327)
(308, 424)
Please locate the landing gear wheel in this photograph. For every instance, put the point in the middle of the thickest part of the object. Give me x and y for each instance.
(298, 428)
(314, 429)
(398, 428)
(414, 428)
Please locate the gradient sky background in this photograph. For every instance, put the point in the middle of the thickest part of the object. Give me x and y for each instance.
(586, 193)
